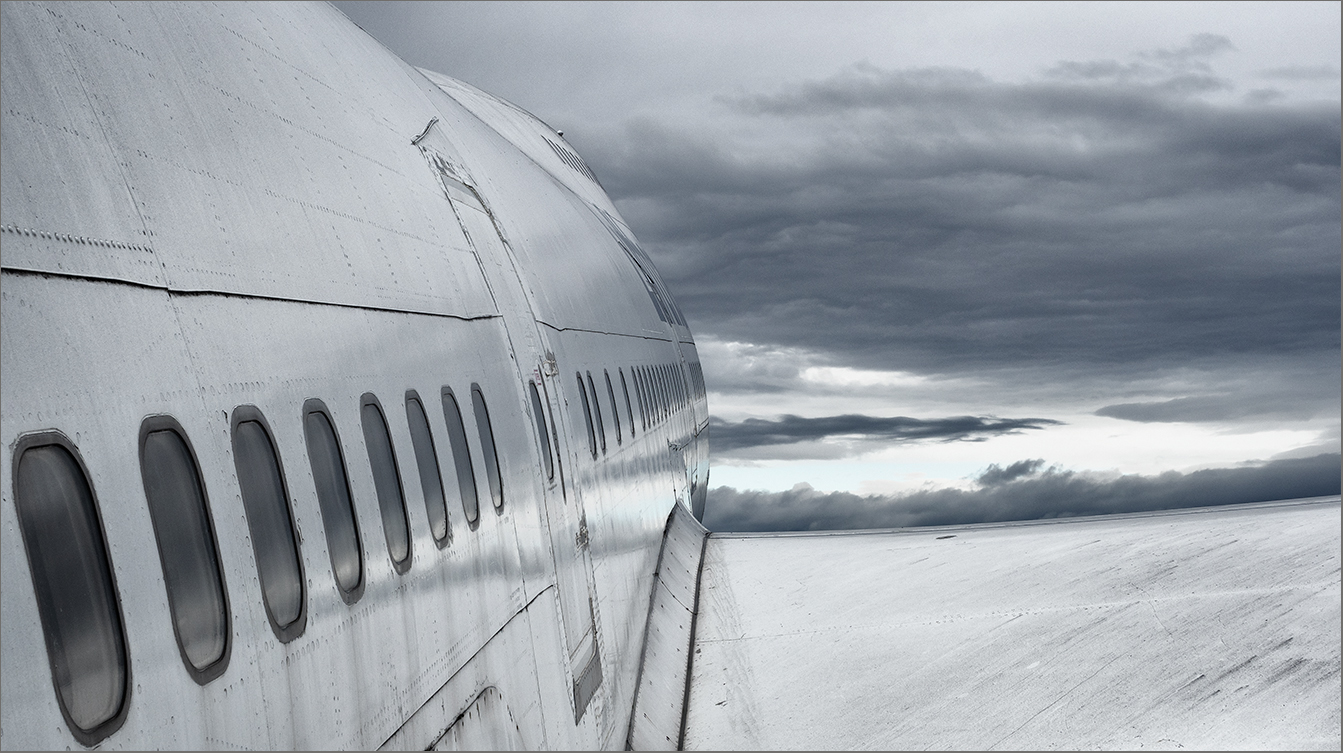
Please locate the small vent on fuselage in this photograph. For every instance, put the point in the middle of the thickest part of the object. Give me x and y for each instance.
(571, 158)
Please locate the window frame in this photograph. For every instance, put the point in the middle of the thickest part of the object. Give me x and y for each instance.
(350, 596)
(202, 676)
(104, 729)
(538, 407)
(494, 472)
(629, 407)
(645, 399)
(615, 409)
(587, 416)
(402, 566)
(639, 397)
(443, 542)
(660, 386)
(554, 429)
(460, 445)
(597, 409)
(242, 414)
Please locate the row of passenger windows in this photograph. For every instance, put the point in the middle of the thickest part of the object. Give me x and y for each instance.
(71, 568)
(72, 573)
(659, 391)
(697, 387)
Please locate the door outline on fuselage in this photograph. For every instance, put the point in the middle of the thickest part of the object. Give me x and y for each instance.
(565, 520)
(567, 524)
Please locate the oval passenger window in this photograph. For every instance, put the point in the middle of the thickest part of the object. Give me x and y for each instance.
(266, 501)
(615, 410)
(487, 446)
(587, 416)
(629, 407)
(426, 459)
(332, 484)
(597, 413)
(387, 482)
(539, 411)
(461, 456)
(180, 513)
(72, 580)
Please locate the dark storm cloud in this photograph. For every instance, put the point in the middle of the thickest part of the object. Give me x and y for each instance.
(755, 432)
(1208, 408)
(1101, 218)
(1031, 496)
(994, 475)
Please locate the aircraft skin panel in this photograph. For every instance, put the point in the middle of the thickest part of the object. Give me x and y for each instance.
(211, 207)
(1211, 628)
(480, 573)
(529, 134)
(659, 705)
(255, 188)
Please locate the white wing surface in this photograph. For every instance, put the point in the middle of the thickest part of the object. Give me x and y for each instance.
(1211, 628)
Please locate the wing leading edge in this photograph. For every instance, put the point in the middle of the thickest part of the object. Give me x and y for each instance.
(1210, 628)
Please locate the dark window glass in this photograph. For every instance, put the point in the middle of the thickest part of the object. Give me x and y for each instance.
(639, 397)
(180, 514)
(266, 501)
(538, 411)
(387, 481)
(645, 402)
(662, 391)
(651, 392)
(72, 580)
(487, 446)
(615, 409)
(426, 458)
(333, 495)
(660, 388)
(597, 410)
(554, 432)
(587, 416)
(629, 407)
(461, 457)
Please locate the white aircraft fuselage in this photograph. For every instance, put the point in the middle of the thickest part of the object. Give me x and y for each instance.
(341, 407)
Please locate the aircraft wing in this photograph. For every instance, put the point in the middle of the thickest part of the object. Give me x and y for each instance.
(1209, 628)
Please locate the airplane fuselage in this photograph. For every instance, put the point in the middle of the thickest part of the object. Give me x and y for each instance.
(340, 405)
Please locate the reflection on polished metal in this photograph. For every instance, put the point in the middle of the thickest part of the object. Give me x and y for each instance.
(256, 223)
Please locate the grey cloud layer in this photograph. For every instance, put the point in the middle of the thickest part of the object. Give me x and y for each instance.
(754, 432)
(1100, 218)
(1210, 408)
(1020, 492)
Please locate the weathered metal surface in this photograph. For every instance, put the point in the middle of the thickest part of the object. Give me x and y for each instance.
(213, 206)
(659, 706)
(487, 724)
(1216, 628)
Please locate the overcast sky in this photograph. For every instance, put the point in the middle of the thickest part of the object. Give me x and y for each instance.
(1095, 243)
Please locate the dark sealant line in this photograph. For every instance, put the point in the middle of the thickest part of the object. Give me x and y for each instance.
(690, 653)
(465, 664)
(648, 335)
(171, 291)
